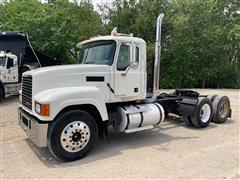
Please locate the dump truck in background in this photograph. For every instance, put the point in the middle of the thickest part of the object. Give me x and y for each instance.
(16, 57)
(65, 108)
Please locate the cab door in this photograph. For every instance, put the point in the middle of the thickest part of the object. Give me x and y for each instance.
(128, 73)
(11, 71)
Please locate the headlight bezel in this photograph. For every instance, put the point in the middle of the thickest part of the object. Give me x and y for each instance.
(42, 109)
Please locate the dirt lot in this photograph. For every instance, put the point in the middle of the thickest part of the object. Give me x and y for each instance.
(171, 151)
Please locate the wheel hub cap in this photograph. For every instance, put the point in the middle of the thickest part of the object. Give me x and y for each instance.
(205, 113)
(75, 136)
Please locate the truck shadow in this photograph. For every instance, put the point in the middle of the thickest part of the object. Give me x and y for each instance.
(157, 138)
(119, 142)
(180, 122)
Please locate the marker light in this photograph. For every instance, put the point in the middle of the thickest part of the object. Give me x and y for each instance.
(42, 109)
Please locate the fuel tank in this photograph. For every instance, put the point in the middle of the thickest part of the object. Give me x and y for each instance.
(138, 116)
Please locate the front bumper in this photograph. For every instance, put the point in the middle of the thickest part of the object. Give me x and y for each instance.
(35, 129)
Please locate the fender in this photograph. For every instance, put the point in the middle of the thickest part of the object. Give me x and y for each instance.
(60, 98)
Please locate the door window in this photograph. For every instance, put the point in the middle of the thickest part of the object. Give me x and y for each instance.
(123, 58)
(137, 54)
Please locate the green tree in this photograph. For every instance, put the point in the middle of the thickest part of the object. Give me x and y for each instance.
(53, 28)
(200, 39)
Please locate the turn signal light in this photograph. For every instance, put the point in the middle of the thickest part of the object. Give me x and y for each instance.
(45, 110)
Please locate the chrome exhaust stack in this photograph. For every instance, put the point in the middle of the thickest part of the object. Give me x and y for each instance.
(156, 73)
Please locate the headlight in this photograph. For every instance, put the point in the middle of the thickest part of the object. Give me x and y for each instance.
(42, 109)
(38, 108)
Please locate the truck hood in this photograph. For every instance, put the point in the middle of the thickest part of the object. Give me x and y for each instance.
(67, 69)
(67, 76)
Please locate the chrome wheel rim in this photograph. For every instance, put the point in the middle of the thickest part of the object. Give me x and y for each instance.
(75, 136)
(205, 113)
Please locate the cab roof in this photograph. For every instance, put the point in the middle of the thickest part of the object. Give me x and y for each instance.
(115, 38)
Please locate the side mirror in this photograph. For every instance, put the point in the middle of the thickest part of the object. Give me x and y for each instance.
(133, 65)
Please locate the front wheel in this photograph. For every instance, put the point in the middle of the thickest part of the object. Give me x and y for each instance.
(72, 135)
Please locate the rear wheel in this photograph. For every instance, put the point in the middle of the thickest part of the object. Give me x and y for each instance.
(221, 109)
(203, 113)
(211, 97)
(1, 94)
(72, 135)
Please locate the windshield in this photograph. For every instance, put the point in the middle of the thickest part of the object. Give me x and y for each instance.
(2, 61)
(99, 52)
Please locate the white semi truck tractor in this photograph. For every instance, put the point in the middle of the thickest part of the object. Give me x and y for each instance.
(16, 57)
(8, 74)
(66, 108)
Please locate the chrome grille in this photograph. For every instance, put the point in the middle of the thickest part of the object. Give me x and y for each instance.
(27, 91)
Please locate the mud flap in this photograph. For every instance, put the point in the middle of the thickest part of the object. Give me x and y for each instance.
(188, 106)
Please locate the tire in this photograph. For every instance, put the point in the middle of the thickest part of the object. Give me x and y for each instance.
(221, 109)
(203, 113)
(1, 94)
(211, 97)
(187, 120)
(72, 135)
